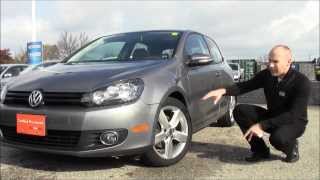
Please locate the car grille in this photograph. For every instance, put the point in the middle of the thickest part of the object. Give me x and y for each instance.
(62, 140)
(50, 98)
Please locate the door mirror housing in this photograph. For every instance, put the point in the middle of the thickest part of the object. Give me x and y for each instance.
(199, 59)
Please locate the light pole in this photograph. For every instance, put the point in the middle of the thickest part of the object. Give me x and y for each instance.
(34, 22)
(34, 48)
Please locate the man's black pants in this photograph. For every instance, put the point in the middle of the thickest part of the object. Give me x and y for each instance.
(283, 138)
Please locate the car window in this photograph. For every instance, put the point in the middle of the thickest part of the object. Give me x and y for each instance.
(15, 71)
(103, 51)
(214, 50)
(2, 68)
(139, 48)
(129, 47)
(195, 44)
(234, 66)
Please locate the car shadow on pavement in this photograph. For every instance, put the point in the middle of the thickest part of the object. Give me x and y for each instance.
(224, 153)
(62, 163)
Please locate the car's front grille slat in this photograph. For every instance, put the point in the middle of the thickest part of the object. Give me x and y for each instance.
(56, 139)
(50, 98)
(61, 139)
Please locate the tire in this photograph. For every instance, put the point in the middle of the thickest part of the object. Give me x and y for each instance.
(172, 139)
(227, 120)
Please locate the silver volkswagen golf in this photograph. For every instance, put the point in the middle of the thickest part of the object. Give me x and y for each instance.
(123, 94)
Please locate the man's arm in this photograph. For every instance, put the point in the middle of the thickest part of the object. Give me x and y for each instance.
(247, 86)
(238, 88)
(295, 111)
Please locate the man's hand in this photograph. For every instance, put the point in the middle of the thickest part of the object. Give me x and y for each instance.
(254, 130)
(215, 95)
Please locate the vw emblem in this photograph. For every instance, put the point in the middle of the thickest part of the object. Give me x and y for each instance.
(35, 98)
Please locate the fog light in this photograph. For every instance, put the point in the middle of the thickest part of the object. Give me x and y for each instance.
(109, 138)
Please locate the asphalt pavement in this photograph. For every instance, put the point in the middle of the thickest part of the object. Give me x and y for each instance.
(216, 153)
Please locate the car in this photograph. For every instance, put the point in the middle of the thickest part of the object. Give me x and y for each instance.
(236, 71)
(9, 71)
(135, 93)
(22, 69)
(39, 66)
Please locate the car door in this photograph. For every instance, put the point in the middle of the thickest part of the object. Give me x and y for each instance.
(201, 79)
(225, 78)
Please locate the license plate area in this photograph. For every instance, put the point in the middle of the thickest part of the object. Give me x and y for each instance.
(31, 124)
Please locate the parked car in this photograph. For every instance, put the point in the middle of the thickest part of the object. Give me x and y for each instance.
(9, 71)
(40, 66)
(236, 71)
(124, 94)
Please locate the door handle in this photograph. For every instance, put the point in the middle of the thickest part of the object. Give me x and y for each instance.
(218, 74)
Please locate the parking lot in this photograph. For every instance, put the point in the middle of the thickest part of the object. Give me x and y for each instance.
(216, 153)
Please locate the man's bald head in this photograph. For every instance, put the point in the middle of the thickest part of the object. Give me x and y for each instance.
(281, 49)
(280, 58)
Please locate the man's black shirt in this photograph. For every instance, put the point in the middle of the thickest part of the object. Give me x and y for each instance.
(287, 100)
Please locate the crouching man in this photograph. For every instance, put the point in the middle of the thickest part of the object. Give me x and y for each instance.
(285, 119)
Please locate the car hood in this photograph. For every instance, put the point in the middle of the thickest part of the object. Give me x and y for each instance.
(81, 77)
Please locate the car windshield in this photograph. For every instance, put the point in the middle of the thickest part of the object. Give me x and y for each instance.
(234, 66)
(129, 47)
(2, 68)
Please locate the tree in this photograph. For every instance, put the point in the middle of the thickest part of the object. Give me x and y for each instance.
(69, 43)
(21, 57)
(83, 39)
(5, 56)
(50, 52)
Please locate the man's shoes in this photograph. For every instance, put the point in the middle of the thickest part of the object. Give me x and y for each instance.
(258, 156)
(293, 156)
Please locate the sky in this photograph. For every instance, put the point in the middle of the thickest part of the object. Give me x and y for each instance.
(242, 29)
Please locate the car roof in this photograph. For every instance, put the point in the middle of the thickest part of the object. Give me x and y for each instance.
(164, 30)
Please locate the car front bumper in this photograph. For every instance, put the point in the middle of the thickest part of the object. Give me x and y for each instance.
(76, 130)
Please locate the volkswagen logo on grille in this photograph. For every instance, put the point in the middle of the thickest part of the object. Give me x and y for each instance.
(35, 98)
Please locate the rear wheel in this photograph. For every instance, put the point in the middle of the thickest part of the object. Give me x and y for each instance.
(172, 135)
(228, 120)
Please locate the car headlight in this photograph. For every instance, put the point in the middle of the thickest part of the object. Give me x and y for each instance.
(3, 93)
(116, 93)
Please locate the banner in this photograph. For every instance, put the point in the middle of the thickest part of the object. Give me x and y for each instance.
(34, 51)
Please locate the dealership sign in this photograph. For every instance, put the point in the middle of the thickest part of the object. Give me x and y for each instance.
(34, 50)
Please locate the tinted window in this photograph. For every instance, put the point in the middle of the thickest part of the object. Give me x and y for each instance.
(15, 71)
(214, 50)
(195, 45)
(233, 66)
(130, 46)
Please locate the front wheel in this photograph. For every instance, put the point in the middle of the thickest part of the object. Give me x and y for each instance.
(172, 135)
(228, 120)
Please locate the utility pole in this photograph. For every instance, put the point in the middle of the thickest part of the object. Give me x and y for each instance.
(34, 22)
(34, 48)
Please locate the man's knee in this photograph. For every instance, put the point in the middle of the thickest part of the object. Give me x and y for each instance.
(240, 113)
(238, 110)
(279, 141)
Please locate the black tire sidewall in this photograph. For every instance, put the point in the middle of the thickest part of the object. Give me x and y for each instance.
(225, 120)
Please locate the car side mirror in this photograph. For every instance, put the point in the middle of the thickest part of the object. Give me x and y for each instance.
(199, 59)
(8, 75)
